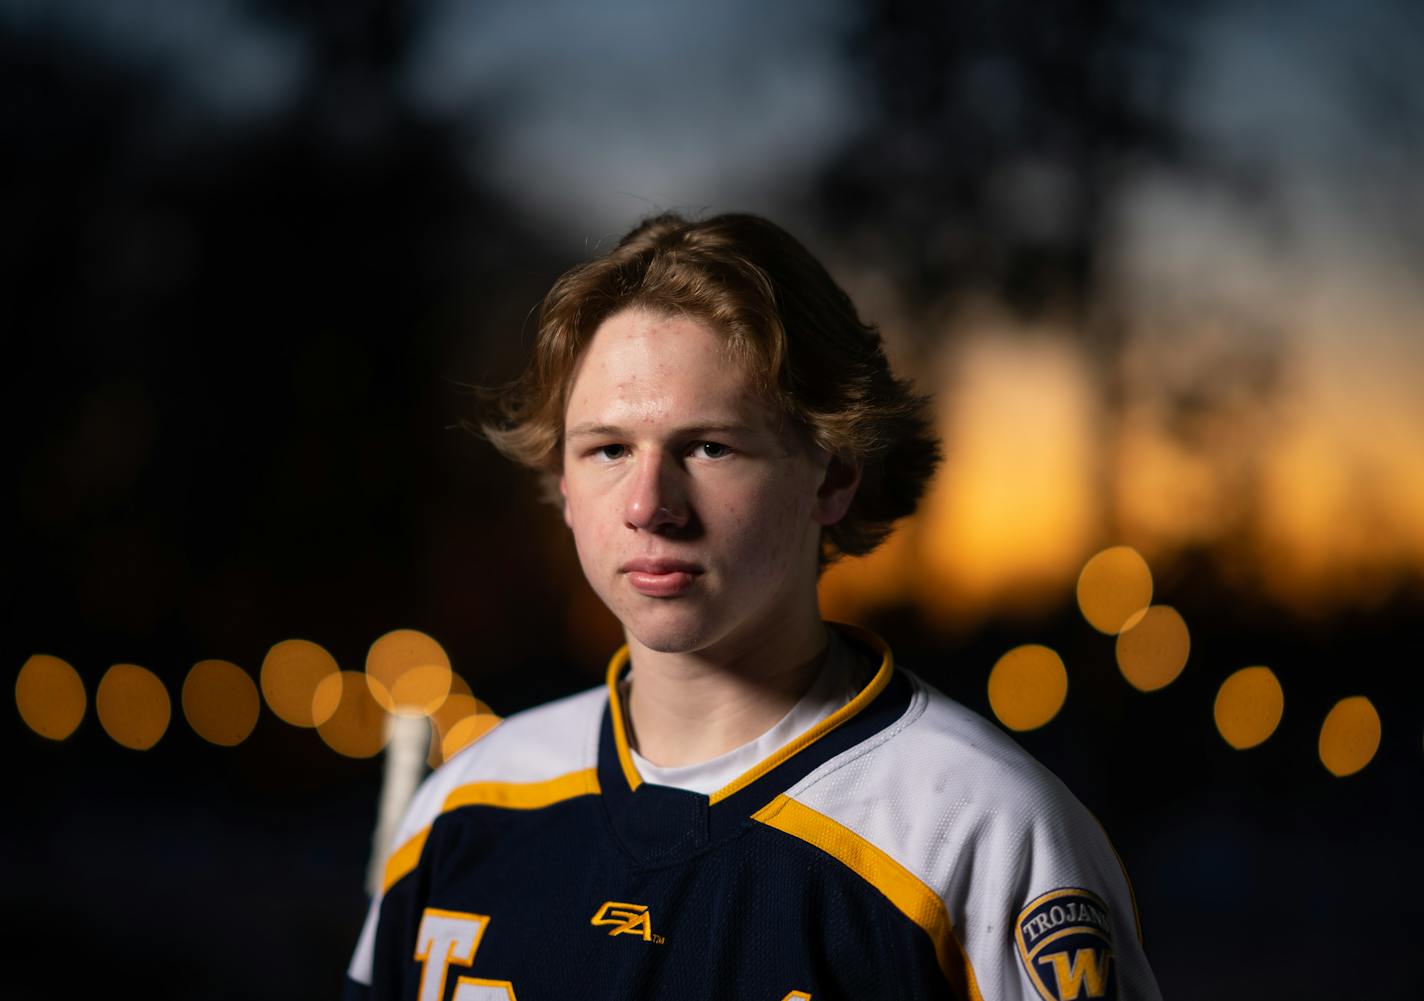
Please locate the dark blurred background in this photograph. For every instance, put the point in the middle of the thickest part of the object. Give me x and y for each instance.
(1159, 262)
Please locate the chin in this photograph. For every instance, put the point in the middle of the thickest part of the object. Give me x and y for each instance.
(667, 640)
(670, 630)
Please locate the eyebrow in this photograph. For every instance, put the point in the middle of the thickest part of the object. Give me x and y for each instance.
(592, 430)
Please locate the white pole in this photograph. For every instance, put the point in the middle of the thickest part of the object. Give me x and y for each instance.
(407, 744)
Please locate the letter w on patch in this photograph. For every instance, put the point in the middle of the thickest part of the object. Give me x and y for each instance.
(1065, 942)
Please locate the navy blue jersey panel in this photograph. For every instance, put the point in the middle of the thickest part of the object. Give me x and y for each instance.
(859, 945)
(659, 823)
(567, 914)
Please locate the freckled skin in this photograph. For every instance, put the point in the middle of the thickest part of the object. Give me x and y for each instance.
(644, 477)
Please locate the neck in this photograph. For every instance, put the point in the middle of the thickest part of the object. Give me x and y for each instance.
(685, 708)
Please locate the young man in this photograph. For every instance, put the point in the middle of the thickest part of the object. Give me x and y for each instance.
(758, 805)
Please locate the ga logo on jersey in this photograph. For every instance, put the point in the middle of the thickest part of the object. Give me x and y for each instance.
(1065, 943)
(627, 919)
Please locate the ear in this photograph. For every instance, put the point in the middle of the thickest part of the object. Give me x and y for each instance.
(564, 493)
(838, 486)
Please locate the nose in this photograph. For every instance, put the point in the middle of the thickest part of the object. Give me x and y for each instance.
(657, 498)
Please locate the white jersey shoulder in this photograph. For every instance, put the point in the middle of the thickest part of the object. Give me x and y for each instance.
(537, 745)
(955, 801)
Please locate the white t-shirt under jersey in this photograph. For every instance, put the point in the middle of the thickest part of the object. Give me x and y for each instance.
(832, 689)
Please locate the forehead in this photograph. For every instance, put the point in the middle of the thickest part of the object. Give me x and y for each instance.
(642, 366)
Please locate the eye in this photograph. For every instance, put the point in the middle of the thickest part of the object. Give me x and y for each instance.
(711, 450)
(610, 452)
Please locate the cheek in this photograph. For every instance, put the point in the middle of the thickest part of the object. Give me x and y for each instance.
(772, 526)
(587, 528)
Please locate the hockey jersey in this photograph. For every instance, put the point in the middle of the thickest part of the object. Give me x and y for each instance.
(903, 847)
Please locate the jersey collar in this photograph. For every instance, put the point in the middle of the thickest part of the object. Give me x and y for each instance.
(657, 821)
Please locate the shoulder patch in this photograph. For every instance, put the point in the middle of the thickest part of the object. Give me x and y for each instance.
(1065, 942)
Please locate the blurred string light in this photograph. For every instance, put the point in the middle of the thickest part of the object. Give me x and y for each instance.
(50, 696)
(407, 674)
(220, 702)
(1152, 648)
(133, 706)
(1350, 736)
(290, 675)
(1113, 587)
(1249, 706)
(1027, 687)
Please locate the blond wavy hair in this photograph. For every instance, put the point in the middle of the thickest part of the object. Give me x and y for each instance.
(793, 328)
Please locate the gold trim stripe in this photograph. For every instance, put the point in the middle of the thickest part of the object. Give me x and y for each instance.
(506, 795)
(835, 719)
(906, 891)
(404, 859)
(620, 728)
(523, 795)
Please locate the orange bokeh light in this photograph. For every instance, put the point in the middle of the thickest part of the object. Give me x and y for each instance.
(354, 723)
(50, 696)
(220, 702)
(133, 706)
(410, 672)
(1153, 647)
(290, 674)
(1114, 585)
(1350, 736)
(1027, 687)
(1248, 707)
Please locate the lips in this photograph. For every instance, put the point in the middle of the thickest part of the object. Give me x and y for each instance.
(659, 578)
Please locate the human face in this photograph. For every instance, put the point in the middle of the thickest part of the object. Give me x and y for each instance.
(696, 510)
